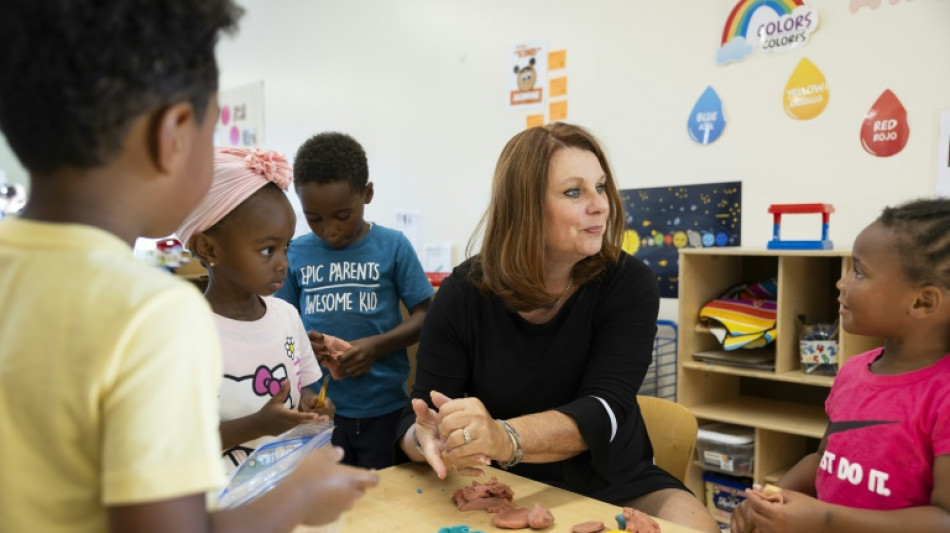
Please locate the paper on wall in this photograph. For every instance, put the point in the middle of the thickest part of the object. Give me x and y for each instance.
(410, 224)
(438, 257)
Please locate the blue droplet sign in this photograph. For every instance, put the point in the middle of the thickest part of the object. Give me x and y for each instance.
(706, 121)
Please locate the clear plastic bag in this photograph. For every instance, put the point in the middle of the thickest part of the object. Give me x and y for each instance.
(271, 463)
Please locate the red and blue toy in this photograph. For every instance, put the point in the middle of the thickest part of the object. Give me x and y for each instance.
(778, 210)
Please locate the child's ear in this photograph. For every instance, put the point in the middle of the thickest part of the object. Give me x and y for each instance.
(368, 193)
(203, 248)
(174, 131)
(929, 300)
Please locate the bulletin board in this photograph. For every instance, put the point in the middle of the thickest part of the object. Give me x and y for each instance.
(661, 220)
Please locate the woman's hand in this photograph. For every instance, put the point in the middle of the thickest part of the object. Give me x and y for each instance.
(426, 433)
(470, 436)
(273, 418)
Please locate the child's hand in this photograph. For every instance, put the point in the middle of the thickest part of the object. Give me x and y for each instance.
(332, 364)
(308, 404)
(328, 349)
(330, 486)
(796, 512)
(741, 521)
(359, 358)
(318, 343)
(273, 418)
(328, 410)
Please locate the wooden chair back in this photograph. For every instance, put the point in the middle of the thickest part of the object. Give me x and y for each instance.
(672, 429)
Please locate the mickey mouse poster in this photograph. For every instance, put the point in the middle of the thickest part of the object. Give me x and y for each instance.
(527, 74)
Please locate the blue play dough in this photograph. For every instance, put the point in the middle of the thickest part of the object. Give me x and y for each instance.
(462, 528)
(621, 522)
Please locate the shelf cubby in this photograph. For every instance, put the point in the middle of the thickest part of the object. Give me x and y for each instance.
(785, 406)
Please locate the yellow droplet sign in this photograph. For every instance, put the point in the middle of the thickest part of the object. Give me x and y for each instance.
(806, 93)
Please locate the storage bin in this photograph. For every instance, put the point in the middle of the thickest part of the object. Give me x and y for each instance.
(818, 344)
(723, 495)
(726, 448)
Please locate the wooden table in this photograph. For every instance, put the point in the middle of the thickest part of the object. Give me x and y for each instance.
(396, 505)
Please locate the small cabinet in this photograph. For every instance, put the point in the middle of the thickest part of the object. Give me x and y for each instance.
(784, 406)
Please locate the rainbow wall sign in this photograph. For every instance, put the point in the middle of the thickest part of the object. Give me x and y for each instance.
(769, 25)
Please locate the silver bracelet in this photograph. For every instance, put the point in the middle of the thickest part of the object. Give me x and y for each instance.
(517, 450)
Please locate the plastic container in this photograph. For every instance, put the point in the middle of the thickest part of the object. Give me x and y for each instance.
(435, 278)
(723, 495)
(726, 448)
(818, 345)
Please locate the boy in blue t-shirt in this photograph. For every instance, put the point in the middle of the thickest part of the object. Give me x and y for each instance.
(346, 280)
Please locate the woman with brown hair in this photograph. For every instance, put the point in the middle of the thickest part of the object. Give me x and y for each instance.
(534, 349)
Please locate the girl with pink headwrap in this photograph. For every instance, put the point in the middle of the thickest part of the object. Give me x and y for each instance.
(240, 232)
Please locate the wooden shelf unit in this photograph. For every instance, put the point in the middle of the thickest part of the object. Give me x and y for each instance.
(785, 407)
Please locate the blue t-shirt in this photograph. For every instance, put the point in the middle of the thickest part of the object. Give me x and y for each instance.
(354, 292)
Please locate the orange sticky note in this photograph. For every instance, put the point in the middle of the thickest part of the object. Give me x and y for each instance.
(557, 59)
(558, 86)
(558, 110)
(534, 121)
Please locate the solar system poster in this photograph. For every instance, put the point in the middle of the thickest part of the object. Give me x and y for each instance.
(661, 220)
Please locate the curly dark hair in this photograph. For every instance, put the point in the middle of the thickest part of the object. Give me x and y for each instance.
(331, 157)
(922, 228)
(75, 74)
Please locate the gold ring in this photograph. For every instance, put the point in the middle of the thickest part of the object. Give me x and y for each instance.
(468, 438)
(455, 468)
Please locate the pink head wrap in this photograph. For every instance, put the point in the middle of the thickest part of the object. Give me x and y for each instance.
(238, 173)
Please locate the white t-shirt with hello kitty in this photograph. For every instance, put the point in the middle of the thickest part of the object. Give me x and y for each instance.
(257, 356)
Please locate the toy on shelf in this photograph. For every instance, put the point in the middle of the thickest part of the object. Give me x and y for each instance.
(778, 210)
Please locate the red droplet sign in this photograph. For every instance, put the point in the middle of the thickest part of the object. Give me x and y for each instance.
(885, 130)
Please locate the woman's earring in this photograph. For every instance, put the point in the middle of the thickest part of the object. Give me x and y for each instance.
(211, 264)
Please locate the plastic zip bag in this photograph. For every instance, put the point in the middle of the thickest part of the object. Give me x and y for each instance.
(271, 463)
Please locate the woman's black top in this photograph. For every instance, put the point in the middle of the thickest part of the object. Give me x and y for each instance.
(587, 362)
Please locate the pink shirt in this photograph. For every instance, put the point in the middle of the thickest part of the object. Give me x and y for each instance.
(884, 434)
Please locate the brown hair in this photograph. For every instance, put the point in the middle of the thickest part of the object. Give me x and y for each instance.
(510, 264)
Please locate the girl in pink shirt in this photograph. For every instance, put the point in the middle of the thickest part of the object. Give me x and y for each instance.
(884, 462)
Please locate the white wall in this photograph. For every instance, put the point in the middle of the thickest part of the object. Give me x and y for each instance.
(421, 84)
(10, 168)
